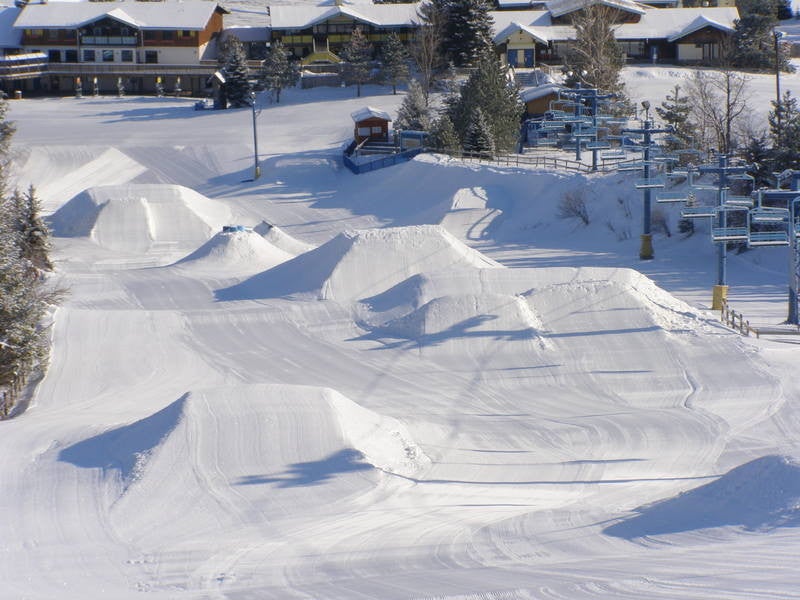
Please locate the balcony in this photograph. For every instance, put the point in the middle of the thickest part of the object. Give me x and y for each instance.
(23, 66)
(108, 40)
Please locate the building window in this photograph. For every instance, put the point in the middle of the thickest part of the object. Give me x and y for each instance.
(168, 35)
(52, 34)
(88, 56)
(149, 35)
(108, 56)
(151, 57)
(71, 56)
(54, 56)
(126, 55)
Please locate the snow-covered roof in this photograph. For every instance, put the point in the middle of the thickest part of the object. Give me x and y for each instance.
(508, 22)
(540, 91)
(539, 34)
(655, 23)
(369, 112)
(558, 8)
(701, 22)
(9, 37)
(382, 15)
(167, 14)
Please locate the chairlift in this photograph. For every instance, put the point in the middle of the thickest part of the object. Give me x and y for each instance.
(768, 238)
(615, 154)
(667, 197)
(739, 201)
(649, 183)
(729, 234)
(698, 212)
(765, 214)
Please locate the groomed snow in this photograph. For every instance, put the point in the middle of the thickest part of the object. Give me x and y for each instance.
(417, 383)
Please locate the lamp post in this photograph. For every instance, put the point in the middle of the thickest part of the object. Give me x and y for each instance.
(256, 166)
(777, 35)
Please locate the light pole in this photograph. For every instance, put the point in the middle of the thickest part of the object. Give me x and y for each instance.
(777, 35)
(256, 166)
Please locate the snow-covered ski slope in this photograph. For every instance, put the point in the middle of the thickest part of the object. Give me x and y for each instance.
(417, 383)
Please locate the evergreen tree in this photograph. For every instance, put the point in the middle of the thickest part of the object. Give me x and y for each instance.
(357, 55)
(25, 295)
(395, 61)
(478, 136)
(413, 112)
(490, 90)
(786, 137)
(233, 64)
(277, 71)
(468, 32)
(33, 234)
(758, 155)
(675, 111)
(443, 136)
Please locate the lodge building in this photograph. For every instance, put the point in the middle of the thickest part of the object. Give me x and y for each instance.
(48, 46)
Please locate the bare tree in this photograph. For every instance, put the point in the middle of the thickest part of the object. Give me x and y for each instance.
(595, 58)
(426, 49)
(719, 101)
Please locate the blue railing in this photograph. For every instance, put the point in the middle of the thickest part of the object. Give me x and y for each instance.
(380, 163)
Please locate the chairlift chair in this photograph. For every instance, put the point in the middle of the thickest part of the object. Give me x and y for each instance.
(649, 183)
(768, 238)
(667, 197)
(698, 212)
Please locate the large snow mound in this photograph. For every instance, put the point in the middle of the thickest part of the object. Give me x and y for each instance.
(62, 172)
(761, 494)
(216, 452)
(359, 264)
(136, 217)
(235, 252)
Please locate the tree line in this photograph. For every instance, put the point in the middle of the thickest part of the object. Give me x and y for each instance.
(26, 294)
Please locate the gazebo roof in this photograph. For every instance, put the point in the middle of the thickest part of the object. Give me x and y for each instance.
(369, 112)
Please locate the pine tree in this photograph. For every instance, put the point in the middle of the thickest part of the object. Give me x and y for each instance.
(357, 55)
(413, 112)
(490, 90)
(786, 137)
(758, 155)
(478, 136)
(395, 61)
(25, 295)
(277, 71)
(233, 63)
(443, 136)
(468, 32)
(675, 111)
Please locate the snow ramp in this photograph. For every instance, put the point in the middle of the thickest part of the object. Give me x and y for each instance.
(61, 172)
(137, 218)
(762, 494)
(220, 457)
(234, 253)
(359, 264)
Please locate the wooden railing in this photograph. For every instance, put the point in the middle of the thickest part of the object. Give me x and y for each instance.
(735, 320)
